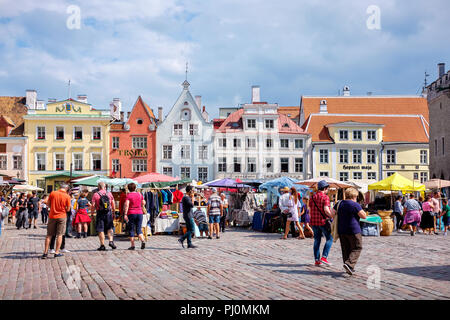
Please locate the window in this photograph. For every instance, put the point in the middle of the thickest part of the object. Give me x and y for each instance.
(185, 115)
(251, 143)
(323, 155)
(423, 177)
(298, 143)
(435, 147)
(269, 143)
(78, 133)
(2, 147)
(323, 174)
(372, 175)
(443, 146)
(222, 143)
(193, 129)
(139, 121)
(96, 161)
(390, 156)
(298, 165)
(237, 164)
(236, 143)
(167, 152)
(251, 164)
(40, 161)
(343, 156)
(343, 135)
(59, 133)
(269, 124)
(116, 165)
(203, 152)
(371, 156)
(40, 183)
(202, 174)
(96, 133)
(357, 135)
(357, 156)
(416, 176)
(343, 176)
(59, 161)
(185, 152)
(371, 135)
(115, 142)
(139, 143)
(77, 161)
(40, 133)
(222, 164)
(185, 172)
(284, 143)
(168, 171)
(177, 129)
(423, 156)
(139, 165)
(269, 164)
(17, 163)
(388, 174)
(284, 164)
(3, 162)
(357, 175)
(251, 124)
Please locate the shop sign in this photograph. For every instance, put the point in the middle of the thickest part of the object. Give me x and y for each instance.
(357, 167)
(133, 153)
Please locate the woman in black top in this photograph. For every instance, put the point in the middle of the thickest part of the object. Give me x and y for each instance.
(22, 214)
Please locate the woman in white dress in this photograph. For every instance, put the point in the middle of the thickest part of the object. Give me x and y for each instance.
(294, 208)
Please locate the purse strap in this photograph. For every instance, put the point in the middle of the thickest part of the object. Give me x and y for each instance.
(326, 217)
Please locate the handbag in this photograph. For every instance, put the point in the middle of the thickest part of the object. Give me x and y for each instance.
(327, 219)
(334, 225)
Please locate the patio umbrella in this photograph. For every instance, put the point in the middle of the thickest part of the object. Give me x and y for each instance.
(437, 184)
(26, 187)
(226, 183)
(154, 177)
(333, 183)
(396, 182)
(89, 181)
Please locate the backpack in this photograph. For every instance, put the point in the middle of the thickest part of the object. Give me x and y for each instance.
(14, 203)
(104, 205)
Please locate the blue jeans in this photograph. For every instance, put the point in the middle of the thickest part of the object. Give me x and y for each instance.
(190, 230)
(1, 223)
(318, 231)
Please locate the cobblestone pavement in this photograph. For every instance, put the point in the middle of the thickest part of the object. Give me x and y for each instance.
(243, 264)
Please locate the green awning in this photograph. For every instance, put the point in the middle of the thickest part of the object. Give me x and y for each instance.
(165, 184)
(89, 182)
(65, 174)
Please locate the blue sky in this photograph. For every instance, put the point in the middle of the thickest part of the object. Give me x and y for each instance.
(290, 48)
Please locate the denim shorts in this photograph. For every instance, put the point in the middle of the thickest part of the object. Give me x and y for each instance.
(203, 227)
(214, 218)
(104, 222)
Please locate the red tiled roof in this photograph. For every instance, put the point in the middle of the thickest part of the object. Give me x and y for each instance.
(291, 112)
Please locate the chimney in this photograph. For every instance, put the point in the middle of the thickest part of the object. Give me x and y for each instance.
(122, 116)
(82, 98)
(160, 114)
(256, 94)
(128, 115)
(198, 100)
(31, 97)
(51, 100)
(323, 106)
(441, 69)
(346, 91)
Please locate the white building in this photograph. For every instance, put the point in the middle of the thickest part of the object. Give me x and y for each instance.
(184, 140)
(258, 142)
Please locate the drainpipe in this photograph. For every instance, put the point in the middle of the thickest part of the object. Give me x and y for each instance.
(381, 163)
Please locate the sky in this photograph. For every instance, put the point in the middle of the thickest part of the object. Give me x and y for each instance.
(289, 48)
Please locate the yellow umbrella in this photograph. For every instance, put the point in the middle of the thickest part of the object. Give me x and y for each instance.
(396, 182)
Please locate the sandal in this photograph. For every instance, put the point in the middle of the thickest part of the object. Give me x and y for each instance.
(283, 238)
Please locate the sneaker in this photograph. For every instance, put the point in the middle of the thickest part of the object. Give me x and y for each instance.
(412, 233)
(131, 248)
(317, 263)
(57, 255)
(112, 245)
(143, 245)
(52, 251)
(348, 269)
(209, 237)
(102, 248)
(192, 246)
(325, 261)
(65, 250)
(34, 227)
(445, 233)
(44, 256)
(217, 237)
(69, 236)
(182, 242)
(84, 235)
(78, 236)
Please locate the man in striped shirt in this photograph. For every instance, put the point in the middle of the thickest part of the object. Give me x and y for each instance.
(202, 223)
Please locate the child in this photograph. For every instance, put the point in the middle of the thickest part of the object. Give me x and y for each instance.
(446, 215)
(305, 216)
(82, 218)
(202, 223)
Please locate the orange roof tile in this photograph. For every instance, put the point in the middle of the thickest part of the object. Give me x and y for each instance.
(367, 105)
(291, 112)
(14, 108)
(396, 129)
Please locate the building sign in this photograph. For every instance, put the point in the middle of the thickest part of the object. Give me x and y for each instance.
(68, 107)
(357, 167)
(133, 153)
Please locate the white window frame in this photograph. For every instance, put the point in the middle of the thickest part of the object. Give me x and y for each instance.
(166, 171)
(222, 143)
(54, 161)
(354, 152)
(298, 163)
(204, 174)
(92, 160)
(369, 156)
(281, 163)
(341, 176)
(37, 133)
(73, 160)
(371, 172)
(185, 152)
(4, 160)
(254, 124)
(238, 145)
(166, 152)
(271, 143)
(323, 156)
(184, 176)
(251, 145)
(360, 135)
(115, 143)
(267, 161)
(341, 155)
(251, 162)
(423, 177)
(281, 143)
(341, 132)
(63, 131)
(73, 137)
(36, 161)
(139, 142)
(237, 160)
(188, 116)
(390, 156)
(177, 131)
(302, 142)
(193, 129)
(139, 165)
(359, 173)
(222, 164)
(93, 133)
(203, 152)
(272, 127)
(424, 157)
(368, 135)
(115, 165)
(16, 162)
(324, 174)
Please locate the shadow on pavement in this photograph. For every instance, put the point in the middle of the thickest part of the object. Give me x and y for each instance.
(432, 272)
(278, 265)
(334, 275)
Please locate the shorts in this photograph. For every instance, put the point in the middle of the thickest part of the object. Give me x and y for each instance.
(104, 222)
(135, 224)
(56, 227)
(446, 220)
(203, 227)
(214, 218)
(33, 214)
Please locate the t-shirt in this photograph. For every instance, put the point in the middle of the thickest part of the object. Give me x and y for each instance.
(348, 218)
(436, 204)
(412, 205)
(96, 199)
(187, 205)
(58, 200)
(82, 203)
(215, 202)
(135, 206)
(426, 206)
(200, 216)
(446, 210)
(398, 206)
(33, 204)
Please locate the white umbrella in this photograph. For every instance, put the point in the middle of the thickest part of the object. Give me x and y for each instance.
(26, 187)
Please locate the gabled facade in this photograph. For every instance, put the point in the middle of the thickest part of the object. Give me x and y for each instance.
(184, 141)
(133, 143)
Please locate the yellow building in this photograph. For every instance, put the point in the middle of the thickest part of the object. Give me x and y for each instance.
(355, 146)
(66, 134)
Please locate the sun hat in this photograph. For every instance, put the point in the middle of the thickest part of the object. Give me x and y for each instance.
(285, 189)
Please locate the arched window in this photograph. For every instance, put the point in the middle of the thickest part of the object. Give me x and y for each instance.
(185, 114)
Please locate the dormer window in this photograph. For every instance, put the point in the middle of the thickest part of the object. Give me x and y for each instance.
(139, 121)
(186, 115)
(286, 125)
